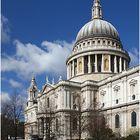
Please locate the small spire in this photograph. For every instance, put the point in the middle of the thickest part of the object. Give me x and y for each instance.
(60, 78)
(53, 81)
(96, 10)
(33, 82)
(47, 80)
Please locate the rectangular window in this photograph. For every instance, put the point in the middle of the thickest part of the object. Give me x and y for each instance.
(57, 125)
(117, 121)
(74, 123)
(48, 102)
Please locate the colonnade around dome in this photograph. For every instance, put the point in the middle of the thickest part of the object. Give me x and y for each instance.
(96, 63)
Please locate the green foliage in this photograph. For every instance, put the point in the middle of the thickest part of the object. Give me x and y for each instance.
(113, 136)
(134, 136)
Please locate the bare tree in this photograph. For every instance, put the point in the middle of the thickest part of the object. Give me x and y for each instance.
(96, 124)
(46, 114)
(91, 121)
(12, 111)
(52, 124)
(77, 119)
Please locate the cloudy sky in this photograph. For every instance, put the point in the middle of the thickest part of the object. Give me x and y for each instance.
(37, 37)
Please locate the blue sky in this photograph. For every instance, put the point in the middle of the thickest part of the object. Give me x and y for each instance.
(37, 36)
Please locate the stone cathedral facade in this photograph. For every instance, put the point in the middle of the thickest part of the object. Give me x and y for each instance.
(98, 67)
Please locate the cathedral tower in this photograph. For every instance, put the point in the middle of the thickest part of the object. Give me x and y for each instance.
(33, 91)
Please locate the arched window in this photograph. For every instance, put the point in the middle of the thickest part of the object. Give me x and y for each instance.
(133, 97)
(133, 119)
(117, 121)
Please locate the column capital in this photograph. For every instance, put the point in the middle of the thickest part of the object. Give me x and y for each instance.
(83, 65)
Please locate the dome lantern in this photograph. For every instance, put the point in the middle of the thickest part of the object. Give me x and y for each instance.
(96, 10)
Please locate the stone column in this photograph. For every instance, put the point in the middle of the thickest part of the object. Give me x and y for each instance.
(96, 70)
(77, 66)
(120, 64)
(102, 69)
(125, 125)
(83, 65)
(89, 64)
(124, 64)
(72, 68)
(109, 63)
(41, 126)
(38, 121)
(115, 64)
(68, 71)
(45, 129)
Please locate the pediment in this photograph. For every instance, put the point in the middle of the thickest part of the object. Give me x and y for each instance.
(46, 88)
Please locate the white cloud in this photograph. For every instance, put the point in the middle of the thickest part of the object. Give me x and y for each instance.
(15, 84)
(5, 30)
(134, 55)
(21, 98)
(4, 97)
(29, 58)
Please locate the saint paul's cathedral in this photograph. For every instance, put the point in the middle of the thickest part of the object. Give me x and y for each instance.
(97, 68)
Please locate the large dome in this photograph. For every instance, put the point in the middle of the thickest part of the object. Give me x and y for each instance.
(98, 52)
(97, 28)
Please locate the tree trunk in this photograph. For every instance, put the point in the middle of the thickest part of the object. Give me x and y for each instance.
(15, 131)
